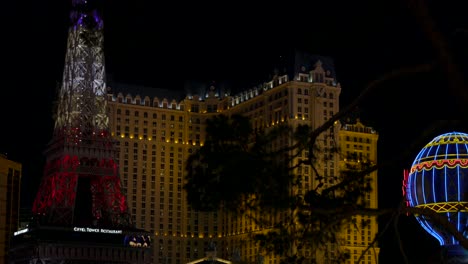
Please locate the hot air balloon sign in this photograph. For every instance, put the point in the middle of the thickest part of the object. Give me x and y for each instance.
(438, 180)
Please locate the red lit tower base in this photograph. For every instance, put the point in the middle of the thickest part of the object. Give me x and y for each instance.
(81, 185)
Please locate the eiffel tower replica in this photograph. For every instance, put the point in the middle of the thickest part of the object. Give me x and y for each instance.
(80, 214)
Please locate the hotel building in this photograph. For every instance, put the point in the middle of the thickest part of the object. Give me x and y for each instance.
(158, 129)
(10, 181)
(358, 144)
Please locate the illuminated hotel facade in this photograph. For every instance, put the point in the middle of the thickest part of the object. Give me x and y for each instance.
(157, 130)
(358, 143)
(10, 184)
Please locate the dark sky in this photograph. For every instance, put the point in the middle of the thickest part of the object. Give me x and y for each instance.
(165, 44)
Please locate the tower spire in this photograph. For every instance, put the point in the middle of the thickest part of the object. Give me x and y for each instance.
(81, 184)
(82, 102)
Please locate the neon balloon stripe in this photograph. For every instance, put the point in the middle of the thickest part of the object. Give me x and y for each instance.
(423, 187)
(440, 164)
(433, 188)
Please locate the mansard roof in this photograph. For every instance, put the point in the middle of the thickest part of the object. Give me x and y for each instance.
(115, 88)
(294, 62)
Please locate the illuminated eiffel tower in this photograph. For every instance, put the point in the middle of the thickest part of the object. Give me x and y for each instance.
(80, 214)
(81, 183)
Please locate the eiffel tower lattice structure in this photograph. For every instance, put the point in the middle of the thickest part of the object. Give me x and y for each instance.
(81, 184)
(80, 214)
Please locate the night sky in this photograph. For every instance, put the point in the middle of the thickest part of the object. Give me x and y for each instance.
(163, 45)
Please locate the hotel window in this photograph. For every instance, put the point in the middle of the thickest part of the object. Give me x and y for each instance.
(209, 109)
(136, 113)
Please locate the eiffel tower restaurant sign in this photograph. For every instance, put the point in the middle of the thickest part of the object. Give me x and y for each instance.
(97, 230)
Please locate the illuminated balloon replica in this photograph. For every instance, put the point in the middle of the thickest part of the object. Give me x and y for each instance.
(438, 181)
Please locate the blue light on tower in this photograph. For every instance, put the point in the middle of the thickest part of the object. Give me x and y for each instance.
(438, 180)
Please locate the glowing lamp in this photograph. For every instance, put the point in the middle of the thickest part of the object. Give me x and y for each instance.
(438, 180)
